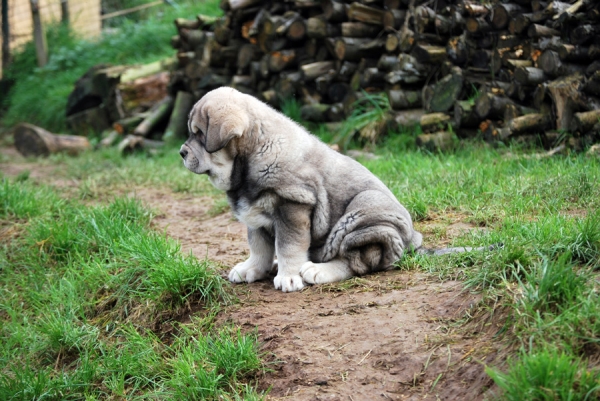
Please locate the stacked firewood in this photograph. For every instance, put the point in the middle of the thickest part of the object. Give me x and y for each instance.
(504, 70)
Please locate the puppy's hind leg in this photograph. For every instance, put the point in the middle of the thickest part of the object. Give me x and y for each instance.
(328, 272)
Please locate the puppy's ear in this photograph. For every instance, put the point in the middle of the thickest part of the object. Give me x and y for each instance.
(221, 131)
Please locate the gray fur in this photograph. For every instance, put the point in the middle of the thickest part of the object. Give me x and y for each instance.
(322, 214)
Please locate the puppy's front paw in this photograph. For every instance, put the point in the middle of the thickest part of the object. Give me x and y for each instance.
(313, 273)
(288, 283)
(247, 272)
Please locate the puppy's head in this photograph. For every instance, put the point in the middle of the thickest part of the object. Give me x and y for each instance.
(217, 119)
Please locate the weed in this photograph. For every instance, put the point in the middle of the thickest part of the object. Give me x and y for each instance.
(366, 111)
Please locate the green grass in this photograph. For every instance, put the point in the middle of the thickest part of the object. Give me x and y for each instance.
(545, 212)
(84, 292)
(39, 95)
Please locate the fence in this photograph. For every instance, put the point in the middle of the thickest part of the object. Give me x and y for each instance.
(86, 17)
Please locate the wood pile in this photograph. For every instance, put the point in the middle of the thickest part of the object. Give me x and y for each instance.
(129, 106)
(502, 69)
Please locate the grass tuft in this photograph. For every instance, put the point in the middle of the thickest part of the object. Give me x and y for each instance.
(547, 375)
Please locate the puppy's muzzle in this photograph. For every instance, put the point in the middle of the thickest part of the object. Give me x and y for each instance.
(183, 152)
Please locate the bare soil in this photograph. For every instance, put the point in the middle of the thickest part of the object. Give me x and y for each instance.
(394, 335)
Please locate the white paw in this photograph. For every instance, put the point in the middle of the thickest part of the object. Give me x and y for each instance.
(313, 274)
(246, 272)
(288, 283)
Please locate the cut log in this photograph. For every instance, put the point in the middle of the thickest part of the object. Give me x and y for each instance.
(478, 26)
(293, 26)
(408, 71)
(464, 115)
(127, 125)
(247, 54)
(372, 77)
(584, 122)
(475, 9)
(404, 120)
(552, 65)
(540, 31)
(182, 23)
(584, 34)
(393, 19)
(434, 122)
(89, 122)
(177, 128)
(442, 95)
(502, 13)
(364, 13)
(404, 99)
(109, 138)
(530, 76)
(438, 141)
(284, 59)
(457, 50)
(159, 113)
(338, 91)
(239, 4)
(489, 105)
(424, 18)
(429, 54)
(354, 49)
(314, 112)
(31, 140)
(482, 58)
(313, 70)
(359, 30)
(319, 28)
(335, 11)
(527, 123)
(392, 42)
(568, 52)
(519, 24)
(345, 70)
(336, 112)
(221, 31)
(566, 95)
(592, 85)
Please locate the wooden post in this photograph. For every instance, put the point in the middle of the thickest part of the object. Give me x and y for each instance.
(64, 12)
(5, 36)
(41, 47)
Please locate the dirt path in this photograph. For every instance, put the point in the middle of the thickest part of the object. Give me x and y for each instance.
(386, 336)
(395, 335)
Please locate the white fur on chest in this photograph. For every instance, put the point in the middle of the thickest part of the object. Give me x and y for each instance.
(257, 214)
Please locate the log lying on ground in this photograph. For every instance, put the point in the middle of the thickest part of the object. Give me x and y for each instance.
(133, 143)
(157, 114)
(35, 141)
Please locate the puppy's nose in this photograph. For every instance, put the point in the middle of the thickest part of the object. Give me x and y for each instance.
(183, 153)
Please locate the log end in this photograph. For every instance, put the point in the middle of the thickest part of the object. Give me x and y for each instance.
(29, 142)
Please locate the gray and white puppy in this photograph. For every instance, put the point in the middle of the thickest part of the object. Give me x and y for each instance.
(322, 215)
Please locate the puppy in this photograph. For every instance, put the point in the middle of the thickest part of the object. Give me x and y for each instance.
(321, 214)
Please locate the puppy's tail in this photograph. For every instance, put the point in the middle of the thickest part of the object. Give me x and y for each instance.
(460, 249)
